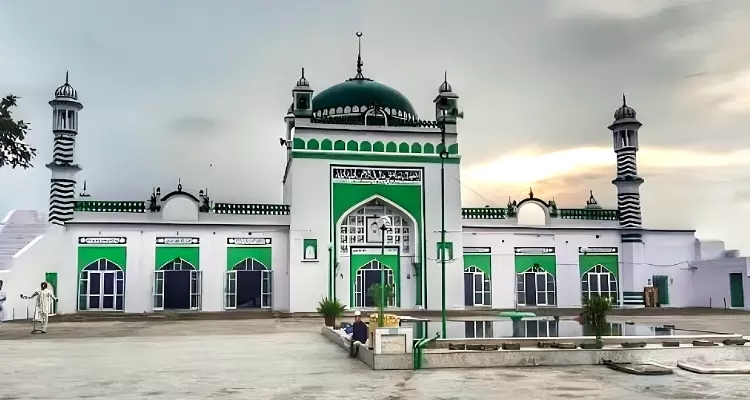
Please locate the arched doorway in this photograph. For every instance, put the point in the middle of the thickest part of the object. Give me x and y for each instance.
(248, 285)
(367, 276)
(101, 287)
(477, 287)
(599, 281)
(177, 286)
(535, 287)
(359, 228)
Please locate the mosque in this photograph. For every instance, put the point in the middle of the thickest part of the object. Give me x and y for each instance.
(355, 152)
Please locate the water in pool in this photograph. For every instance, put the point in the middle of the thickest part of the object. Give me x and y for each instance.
(533, 327)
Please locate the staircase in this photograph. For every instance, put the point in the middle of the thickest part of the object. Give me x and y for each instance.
(17, 230)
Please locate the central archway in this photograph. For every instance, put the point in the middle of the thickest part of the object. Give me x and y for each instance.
(101, 287)
(177, 286)
(248, 285)
(367, 277)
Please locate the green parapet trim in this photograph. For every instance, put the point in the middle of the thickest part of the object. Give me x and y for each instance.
(404, 148)
(453, 148)
(391, 147)
(589, 214)
(373, 156)
(352, 146)
(360, 120)
(547, 262)
(313, 144)
(482, 261)
(416, 148)
(339, 145)
(365, 146)
(378, 147)
(326, 144)
(110, 206)
(298, 143)
(484, 213)
(251, 209)
(428, 148)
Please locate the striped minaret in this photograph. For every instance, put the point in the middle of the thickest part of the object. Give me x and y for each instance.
(625, 135)
(65, 108)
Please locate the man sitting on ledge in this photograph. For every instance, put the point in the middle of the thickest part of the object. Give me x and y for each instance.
(359, 334)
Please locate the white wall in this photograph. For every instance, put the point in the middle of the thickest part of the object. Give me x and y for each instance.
(710, 281)
(566, 244)
(670, 254)
(58, 253)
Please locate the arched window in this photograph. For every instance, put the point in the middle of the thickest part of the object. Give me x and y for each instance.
(599, 281)
(249, 264)
(101, 287)
(535, 287)
(477, 287)
(360, 228)
(367, 276)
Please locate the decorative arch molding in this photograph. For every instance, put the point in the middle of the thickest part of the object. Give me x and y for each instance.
(238, 254)
(377, 146)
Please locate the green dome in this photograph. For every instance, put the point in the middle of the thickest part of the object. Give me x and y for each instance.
(357, 95)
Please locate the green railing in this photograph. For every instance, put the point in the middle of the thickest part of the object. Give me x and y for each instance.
(110, 206)
(251, 209)
(564, 213)
(583, 213)
(484, 213)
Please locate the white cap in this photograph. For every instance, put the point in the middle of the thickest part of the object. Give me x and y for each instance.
(357, 313)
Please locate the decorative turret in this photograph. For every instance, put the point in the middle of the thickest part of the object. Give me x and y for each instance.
(625, 139)
(446, 106)
(65, 108)
(302, 96)
(591, 203)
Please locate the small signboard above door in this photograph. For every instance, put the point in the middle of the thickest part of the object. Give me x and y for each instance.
(102, 240)
(249, 241)
(175, 241)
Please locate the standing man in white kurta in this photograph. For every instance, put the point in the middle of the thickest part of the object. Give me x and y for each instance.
(44, 299)
(2, 301)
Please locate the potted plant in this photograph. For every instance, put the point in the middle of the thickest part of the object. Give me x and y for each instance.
(595, 310)
(375, 291)
(330, 309)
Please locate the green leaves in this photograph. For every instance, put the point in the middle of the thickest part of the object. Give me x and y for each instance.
(13, 152)
(595, 310)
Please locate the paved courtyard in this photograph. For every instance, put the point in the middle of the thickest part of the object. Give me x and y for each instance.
(289, 359)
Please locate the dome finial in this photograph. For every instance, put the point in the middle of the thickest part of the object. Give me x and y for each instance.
(445, 86)
(359, 57)
(66, 77)
(623, 100)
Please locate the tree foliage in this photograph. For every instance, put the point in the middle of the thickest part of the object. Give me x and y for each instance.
(13, 152)
(595, 310)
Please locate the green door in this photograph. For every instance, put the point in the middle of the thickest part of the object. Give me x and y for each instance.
(51, 278)
(736, 291)
(662, 282)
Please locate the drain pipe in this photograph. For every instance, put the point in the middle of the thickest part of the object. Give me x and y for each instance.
(417, 350)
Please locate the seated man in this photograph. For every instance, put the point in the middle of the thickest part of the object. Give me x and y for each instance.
(359, 334)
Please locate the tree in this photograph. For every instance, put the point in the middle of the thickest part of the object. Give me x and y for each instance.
(13, 152)
(595, 310)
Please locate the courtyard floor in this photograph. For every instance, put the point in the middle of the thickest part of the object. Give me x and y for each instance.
(289, 359)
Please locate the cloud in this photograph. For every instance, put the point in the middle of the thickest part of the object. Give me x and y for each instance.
(196, 126)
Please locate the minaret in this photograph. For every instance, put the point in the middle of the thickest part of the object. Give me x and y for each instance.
(65, 108)
(446, 106)
(625, 135)
(302, 98)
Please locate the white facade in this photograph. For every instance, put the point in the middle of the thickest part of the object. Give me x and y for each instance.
(357, 152)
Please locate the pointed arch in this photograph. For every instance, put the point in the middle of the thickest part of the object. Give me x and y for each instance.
(352, 146)
(411, 220)
(365, 146)
(250, 264)
(403, 147)
(326, 144)
(177, 264)
(313, 144)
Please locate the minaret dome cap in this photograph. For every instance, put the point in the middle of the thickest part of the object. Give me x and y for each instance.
(624, 111)
(66, 91)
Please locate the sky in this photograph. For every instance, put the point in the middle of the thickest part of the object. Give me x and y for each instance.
(197, 90)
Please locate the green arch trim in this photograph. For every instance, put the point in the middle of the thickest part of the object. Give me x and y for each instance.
(453, 148)
(404, 147)
(352, 146)
(547, 262)
(313, 144)
(166, 254)
(298, 144)
(236, 255)
(416, 148)
(326, 144)
(390, 261)
(365, 146)
(339, 145)
(428, 148)
(609, 261)
(391, 147)
(90, 254)
(378, 147)
(482, 261)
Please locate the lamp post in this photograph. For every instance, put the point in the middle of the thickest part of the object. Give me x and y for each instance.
(443, 157)
(384, 224)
